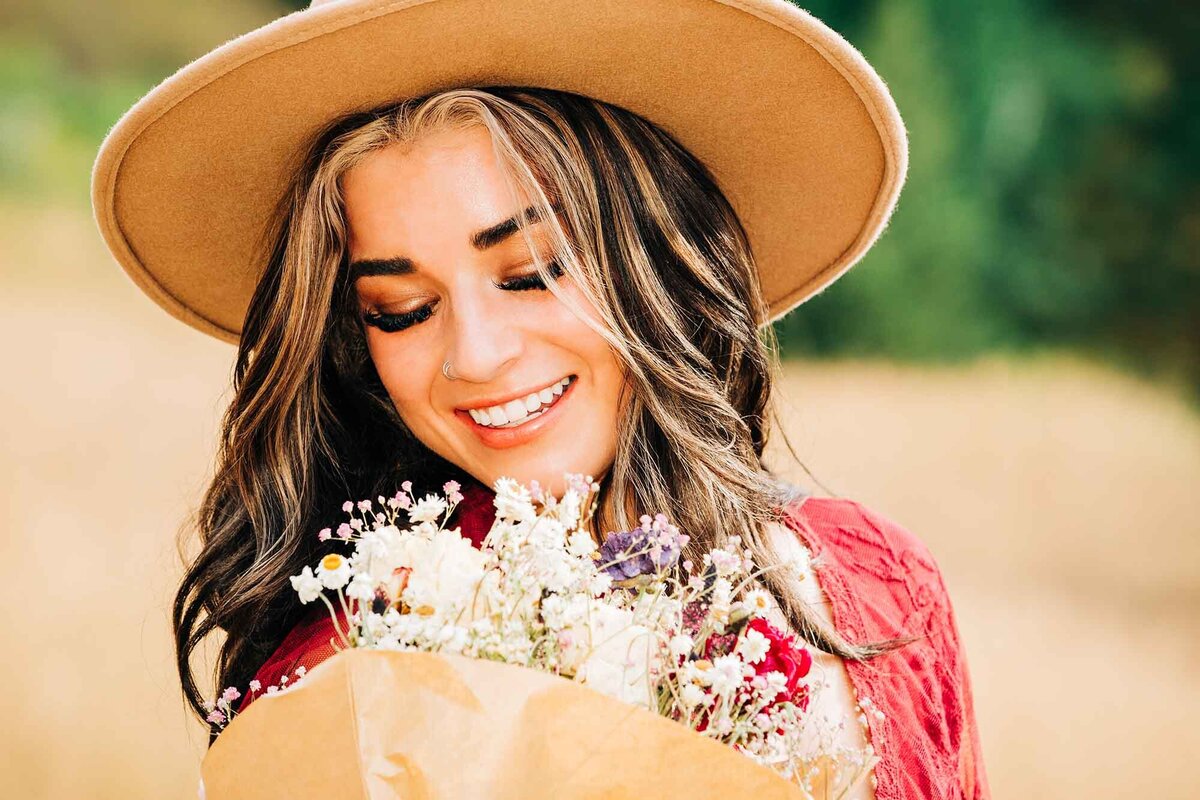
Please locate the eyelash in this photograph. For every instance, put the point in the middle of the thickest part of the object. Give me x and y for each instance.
(392, 323)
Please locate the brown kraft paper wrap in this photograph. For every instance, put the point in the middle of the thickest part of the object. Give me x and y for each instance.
(424, 726)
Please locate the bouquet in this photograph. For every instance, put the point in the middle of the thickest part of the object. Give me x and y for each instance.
(629, 616)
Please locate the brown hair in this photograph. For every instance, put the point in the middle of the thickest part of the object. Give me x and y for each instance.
(644, 232)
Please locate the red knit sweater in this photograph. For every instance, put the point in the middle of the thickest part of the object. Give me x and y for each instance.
(881, 582)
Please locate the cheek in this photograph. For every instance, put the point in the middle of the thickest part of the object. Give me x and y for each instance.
(401, 370)
(603, 363)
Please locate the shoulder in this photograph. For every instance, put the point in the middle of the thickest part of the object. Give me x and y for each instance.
(889, 584)
(847, 529)
(881, 570)
(311, 640)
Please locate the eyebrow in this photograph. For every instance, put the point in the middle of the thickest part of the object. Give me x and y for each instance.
(481, 240)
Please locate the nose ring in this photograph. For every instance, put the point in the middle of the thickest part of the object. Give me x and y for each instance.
(446, 371)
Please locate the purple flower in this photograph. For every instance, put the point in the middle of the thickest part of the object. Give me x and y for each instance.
(620, 553)
(642, 551)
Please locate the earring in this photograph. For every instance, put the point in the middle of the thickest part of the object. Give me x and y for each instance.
(446, 371)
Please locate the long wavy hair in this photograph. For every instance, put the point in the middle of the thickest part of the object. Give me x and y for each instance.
(642, 229)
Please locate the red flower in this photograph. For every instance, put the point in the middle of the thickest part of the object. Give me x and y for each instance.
(784, 657)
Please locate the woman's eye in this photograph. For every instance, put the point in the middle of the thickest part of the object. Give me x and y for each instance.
(533, 280)
(392, 323)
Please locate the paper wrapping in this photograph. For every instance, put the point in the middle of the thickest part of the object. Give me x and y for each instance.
(423, 726)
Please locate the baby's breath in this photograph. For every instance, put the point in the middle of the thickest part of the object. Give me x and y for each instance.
(626, 617)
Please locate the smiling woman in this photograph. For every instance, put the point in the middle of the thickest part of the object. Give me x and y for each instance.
(521, 282)
(466, 282)
(445, 270)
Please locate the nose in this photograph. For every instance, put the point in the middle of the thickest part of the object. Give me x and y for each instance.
(484, 341)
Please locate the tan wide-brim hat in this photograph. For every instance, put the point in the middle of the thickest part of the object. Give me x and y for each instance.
(799, 131)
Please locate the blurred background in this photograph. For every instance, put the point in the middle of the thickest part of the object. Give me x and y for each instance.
(1012, 373)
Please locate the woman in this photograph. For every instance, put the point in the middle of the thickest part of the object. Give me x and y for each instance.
(514, 281)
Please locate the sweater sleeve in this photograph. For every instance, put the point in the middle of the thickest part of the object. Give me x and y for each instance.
(972, 775)
(929, 594)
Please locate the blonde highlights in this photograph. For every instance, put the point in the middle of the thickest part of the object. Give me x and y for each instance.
(645, 234)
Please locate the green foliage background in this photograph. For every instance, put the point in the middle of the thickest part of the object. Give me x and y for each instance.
(1052, 198)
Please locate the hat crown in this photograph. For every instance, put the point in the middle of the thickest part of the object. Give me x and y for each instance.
(799, 131)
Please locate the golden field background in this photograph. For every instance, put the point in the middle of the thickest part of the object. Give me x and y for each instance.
(1058, 497)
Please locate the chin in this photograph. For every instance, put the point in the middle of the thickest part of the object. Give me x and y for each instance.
(548, 472)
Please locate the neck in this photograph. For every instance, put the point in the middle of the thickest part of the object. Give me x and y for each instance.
(476, 514)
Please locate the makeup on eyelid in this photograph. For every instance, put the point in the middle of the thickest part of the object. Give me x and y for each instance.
(395, 322)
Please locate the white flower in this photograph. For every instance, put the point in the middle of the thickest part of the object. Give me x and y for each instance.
(681, 644)
(753, 646)
(445, 570)
(776, 685)
(616, 654)
(599, 583)
(361, 587)
(699, 672)
(428, 509)
(374, 549)
(552, 611)
(757, 601)
(306, 585)
(554, 569)
(333, 571)
(513, 501)
(723, 561)
(620, 667)
(727, 673)
(691, 695)
(453, 638)
(561, 612)
(719, 603)
(569, 508)
(580, 543)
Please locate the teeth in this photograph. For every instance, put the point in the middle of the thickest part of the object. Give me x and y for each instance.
(516, 411)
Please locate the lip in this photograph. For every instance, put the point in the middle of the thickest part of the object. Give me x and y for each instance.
(503, 438)
(500, 400)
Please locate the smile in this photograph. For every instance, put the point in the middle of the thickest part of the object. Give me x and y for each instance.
(523, 409)
(530, 415)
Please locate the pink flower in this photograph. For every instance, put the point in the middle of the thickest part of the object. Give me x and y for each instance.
(255, 685)
(216, 717)
(325, 535)
(230, 694)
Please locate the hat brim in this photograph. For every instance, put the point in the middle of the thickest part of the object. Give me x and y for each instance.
(797, 128)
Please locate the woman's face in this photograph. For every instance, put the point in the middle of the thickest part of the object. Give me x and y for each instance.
(444, 274)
